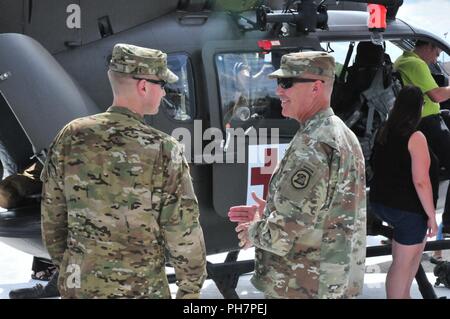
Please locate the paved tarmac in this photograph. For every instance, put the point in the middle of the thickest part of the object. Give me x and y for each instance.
(15, 270)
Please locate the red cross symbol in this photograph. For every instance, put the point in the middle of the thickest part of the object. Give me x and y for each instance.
(259, 178)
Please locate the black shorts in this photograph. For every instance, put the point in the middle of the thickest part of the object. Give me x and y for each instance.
(409, 228)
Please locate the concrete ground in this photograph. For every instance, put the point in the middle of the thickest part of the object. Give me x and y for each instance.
(15, 270)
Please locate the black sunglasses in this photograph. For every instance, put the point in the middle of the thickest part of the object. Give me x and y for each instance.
(160, 82)
(287, 83)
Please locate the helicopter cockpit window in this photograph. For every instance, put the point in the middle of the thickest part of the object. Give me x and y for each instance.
(178, 103)
(444, 62)
(340, 50)
(247, 95)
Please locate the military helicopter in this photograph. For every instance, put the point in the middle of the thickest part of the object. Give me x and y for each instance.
(54, 58)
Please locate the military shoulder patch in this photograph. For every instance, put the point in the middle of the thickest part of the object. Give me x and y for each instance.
(301, 178)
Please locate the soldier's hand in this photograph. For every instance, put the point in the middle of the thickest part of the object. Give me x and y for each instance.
(248, 213)
(260, 203)
(242, 230)
(243, 213)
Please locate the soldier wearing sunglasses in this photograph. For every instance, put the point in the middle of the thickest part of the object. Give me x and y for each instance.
(310, 235)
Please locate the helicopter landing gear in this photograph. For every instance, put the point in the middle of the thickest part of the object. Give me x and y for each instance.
(226, 275)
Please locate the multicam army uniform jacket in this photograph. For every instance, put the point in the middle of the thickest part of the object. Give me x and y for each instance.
(311, 242)
(117, 194)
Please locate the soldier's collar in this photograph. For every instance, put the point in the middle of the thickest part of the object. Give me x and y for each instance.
(318, 117)
(126, 111)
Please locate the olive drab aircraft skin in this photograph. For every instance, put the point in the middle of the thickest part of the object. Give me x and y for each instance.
(54, 58)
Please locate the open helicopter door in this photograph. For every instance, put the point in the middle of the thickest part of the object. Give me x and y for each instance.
(250, 133)
(37, 94)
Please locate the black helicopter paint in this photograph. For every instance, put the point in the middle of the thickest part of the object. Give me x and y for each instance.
(53, 70)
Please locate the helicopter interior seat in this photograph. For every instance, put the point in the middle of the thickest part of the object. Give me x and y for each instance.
(368, 60)
(363, 102)
(368, 94)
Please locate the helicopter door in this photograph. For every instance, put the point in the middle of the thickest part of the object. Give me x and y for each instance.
(40, 94)
(249, 134)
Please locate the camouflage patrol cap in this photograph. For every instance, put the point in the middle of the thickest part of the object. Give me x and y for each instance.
(294, 65)
(134, 60)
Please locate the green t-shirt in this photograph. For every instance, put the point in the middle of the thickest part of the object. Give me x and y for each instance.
(414, 71)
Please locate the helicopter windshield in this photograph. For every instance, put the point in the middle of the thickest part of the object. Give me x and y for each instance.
(178, 104)
(247, 95)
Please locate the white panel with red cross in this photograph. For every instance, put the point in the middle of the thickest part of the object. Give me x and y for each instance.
(262, 161)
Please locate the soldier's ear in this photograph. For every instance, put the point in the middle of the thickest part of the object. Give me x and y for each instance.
(141, 87)
(316, 86)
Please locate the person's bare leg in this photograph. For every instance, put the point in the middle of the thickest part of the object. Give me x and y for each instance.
(414, 267)
(403, 262)
(391, 274)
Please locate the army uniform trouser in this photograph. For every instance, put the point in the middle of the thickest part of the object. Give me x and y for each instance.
(436, 131)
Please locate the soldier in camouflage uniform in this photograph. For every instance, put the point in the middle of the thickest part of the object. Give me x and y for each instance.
(310, 236)
(117, 194)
